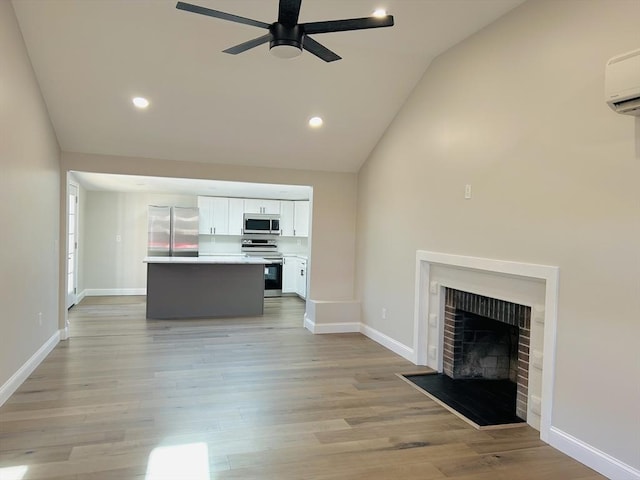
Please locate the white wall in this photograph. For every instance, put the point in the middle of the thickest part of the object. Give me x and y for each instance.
(110, 266)
(29, 192)
(517, 111)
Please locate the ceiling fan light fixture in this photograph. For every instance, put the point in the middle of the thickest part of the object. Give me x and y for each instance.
(285, 51)
(286, 41)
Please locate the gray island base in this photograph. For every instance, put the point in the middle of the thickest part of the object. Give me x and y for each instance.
(204, 287)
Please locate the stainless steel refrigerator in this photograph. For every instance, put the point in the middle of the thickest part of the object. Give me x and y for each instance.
(173, 231)
(184, 231)
(159, 239)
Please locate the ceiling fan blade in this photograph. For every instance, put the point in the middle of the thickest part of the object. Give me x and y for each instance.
(347, 24)
(222, 15)
(243, 47)
(319, 50)
(288, 12)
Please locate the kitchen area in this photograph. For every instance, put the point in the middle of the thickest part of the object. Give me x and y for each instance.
(275, 229)
(119, 243)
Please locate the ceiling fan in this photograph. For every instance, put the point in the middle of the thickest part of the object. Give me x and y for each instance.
(286, 36)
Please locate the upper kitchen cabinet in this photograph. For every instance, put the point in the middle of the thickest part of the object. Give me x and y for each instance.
(214, 215)
(236, 213)
(301, 218)
(286, 218)
(258, 205)
(294, 218)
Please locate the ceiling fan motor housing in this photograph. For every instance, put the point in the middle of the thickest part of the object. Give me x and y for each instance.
(286, 42)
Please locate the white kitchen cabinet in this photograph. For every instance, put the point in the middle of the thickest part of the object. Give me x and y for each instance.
(236, 216)
(214, 215)
(294, 276)
(301, 278)
(205, 216)
(261, 205)
(294, 218)
(301, 218)
(290, 271)
(286, 218)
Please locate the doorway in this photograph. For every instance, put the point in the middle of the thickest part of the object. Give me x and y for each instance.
(72, 245)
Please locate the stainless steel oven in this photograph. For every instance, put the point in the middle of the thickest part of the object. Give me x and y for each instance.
(273, 278)
(266, 246)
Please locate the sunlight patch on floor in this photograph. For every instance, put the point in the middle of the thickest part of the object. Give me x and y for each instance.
(186, 462)
(13, 473)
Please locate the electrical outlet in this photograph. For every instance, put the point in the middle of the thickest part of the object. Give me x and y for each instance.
(384, 313)
(40, 318)
(467, 191)
(118, 238)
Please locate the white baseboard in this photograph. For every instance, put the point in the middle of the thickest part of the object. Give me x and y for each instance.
(80, 296)
(18, 378)
(343, 327)
(64, 333)
(389, 343)
(103, 292)
(600, 461)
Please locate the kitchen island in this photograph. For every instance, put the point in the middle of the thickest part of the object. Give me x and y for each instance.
(204, 287)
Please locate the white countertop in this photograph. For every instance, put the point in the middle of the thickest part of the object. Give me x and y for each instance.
(296, 255)
(235, 259)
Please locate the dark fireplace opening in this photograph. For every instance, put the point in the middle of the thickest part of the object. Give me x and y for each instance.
(489, 349)
(487, 339)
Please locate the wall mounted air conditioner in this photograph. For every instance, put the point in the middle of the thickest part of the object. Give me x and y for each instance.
(622, 83)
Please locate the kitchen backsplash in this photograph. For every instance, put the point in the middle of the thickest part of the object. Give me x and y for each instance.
(230, 244)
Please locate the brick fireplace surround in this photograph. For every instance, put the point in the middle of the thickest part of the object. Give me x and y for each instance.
(496, 360)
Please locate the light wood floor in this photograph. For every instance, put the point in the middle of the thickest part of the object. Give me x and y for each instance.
(248, 398)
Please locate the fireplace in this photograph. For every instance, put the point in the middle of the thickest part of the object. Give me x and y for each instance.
(487, 338)
(523, 284)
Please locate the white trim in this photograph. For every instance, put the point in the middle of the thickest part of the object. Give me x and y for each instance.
(81, 296)
(336, 328)
(591, 456)
(18, 378)
(342, 327)
(550, 275)
(355, 327)
(72, 299)
(99, 292)
(421, 301)
(64, 333)
(388, 342)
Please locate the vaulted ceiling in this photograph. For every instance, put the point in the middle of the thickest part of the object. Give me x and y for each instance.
(92, 57)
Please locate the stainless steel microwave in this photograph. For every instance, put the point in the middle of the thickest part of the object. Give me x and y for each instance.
(266, 224)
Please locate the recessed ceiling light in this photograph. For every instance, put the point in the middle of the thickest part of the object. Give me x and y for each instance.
(141, 102)
(379, 13)
(315, 122)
